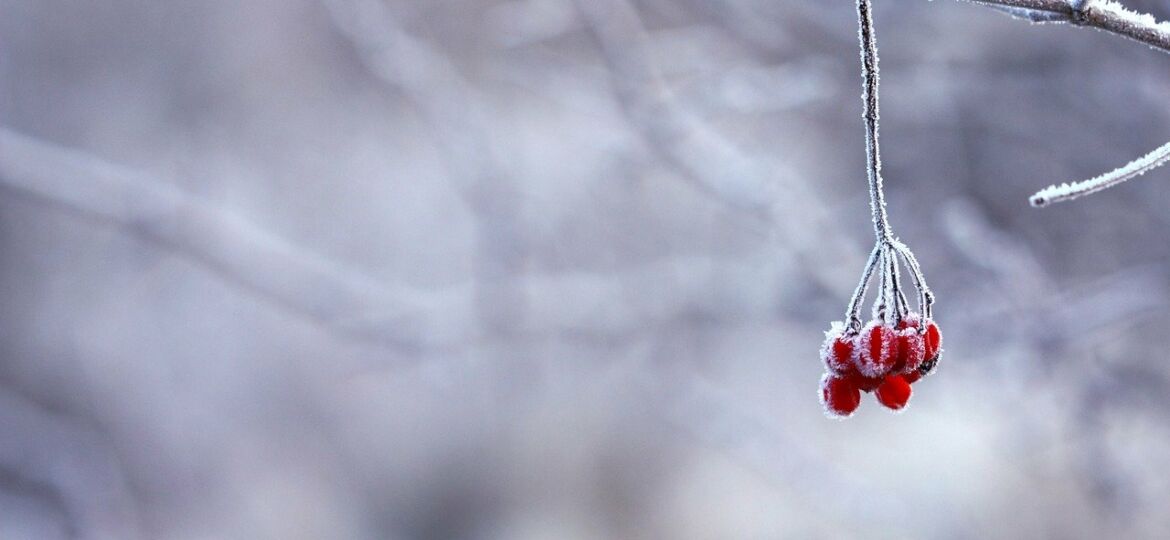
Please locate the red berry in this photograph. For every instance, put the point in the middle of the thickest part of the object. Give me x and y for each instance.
(894, 392)
(837, 351)
(839, 396)
(910, 321)
(911, 350)
(878, 348)
(867, 384)
(912, 376)
(933, 340)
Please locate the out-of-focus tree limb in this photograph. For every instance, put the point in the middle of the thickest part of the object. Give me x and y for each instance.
(580, 305)
(78, 469)
(585, 304)
(456, 112)
(714, 163)
(235, 248)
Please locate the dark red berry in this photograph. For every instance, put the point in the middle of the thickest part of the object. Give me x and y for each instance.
(933, 340)
(879, 347)
(839, 396)
(837, 352)
(894, 392)
(912, 377)
(910, 352)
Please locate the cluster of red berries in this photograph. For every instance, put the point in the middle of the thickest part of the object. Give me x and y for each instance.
(882, 358)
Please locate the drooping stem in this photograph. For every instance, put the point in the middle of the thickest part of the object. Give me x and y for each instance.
(925, 297)
(852, 312)
(869, 63)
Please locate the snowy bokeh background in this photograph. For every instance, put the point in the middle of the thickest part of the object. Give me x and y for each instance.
(531, 269)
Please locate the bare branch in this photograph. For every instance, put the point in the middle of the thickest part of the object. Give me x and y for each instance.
(715, 164)
(1104, 15)
(458, 114)
(870, 85)
(1068, 192)
(74, 464)
(233, 247)
(1032, 15)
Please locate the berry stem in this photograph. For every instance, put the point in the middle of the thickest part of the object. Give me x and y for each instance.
(853, 311)
(888, 252)
(869, 63)
(925, 297)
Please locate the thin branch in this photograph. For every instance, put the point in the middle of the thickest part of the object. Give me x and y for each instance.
(235, 248)
(852, 313)
(75, 465)
(1032, 15)
(1068, 192)
(715, 164)
(870, 77)
(1104, 15)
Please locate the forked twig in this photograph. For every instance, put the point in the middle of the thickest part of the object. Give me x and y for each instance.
(1108, 16)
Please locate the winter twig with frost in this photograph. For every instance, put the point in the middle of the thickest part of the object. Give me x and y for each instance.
(1109, 16)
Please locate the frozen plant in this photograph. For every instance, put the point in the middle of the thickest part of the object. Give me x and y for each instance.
(898, 346)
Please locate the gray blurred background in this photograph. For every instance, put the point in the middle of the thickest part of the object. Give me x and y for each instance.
(559, 269)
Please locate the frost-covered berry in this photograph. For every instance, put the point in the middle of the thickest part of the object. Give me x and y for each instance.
(933, 340)
(894, 393)
(837, 350)
(839, 396)
(913, 376)
(911, 349)
(877, 346)
(865, 384)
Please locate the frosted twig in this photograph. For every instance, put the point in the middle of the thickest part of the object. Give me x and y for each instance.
(1104, 15)
(457, 113)
(925, 297)
(891, 299)
(869, 62)
(715, 164)
(852, 317)
(1138, 167)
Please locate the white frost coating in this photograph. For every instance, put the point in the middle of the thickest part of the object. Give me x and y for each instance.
(1137, 167)
(1032, 15)
(828, 357)
(1105, 15)
(867, 364)
(916, 345)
